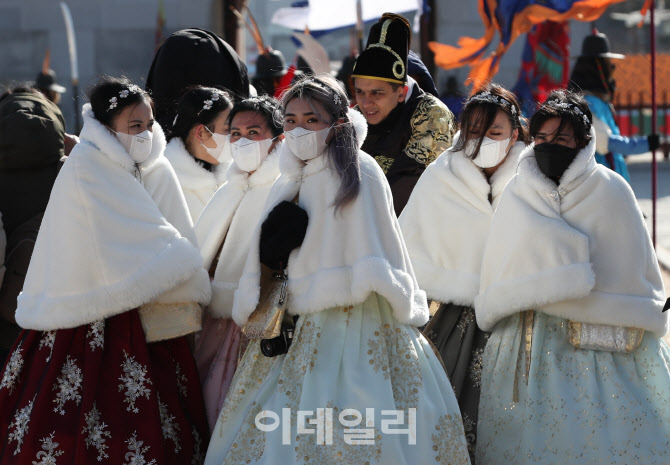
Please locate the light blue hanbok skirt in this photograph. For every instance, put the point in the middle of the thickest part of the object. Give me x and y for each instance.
(574, 406)
(358, 358)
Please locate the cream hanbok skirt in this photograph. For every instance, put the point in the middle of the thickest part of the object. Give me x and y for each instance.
(349, 371)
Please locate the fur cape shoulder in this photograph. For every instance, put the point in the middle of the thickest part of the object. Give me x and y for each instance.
(346, 255)
(197, 183)
(578, 250)
(230, 218)
(114, 236)
(446, 222)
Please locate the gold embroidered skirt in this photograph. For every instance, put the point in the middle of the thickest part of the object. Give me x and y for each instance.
(351, 374)
(545, 401)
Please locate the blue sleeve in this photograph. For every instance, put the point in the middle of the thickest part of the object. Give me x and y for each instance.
(628, 145)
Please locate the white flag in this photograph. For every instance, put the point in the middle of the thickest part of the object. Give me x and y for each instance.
(328, 14)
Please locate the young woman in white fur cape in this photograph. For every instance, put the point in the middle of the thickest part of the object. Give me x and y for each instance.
(356, 345)
(568, 249)
(91, 377)
(224, 232)
(199, 145)
(445, 225)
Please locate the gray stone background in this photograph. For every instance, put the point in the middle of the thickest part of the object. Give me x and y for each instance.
(117, 37)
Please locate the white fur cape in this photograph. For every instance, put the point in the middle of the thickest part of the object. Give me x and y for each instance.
(446, 222)
(231, 217)
(345, 255)
(198, 184)
(108, 242)
(579, 250)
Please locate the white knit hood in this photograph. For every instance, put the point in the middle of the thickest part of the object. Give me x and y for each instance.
(345, 255)
(108, 241)
(579, 250)
(197, 183)
(231, 217)
(446, 222)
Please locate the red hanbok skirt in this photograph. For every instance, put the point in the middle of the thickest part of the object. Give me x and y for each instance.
(99, 393)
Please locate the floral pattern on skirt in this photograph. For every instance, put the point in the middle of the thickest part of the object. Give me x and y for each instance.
(575, 406)
(99, 393)
(216, 355)
(454, 331)
(356, 358)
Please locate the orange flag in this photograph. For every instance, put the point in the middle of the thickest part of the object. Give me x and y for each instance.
(500, 17)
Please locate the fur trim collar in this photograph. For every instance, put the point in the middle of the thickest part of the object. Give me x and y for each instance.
(446, 222)
(191, 175)
(583, 165)
(293, 167)
(473, 177)
(265, 174)
(345, 256)
(121, 243)
(102, 138)
(579, 250)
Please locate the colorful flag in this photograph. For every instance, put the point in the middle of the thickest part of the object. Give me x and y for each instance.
(644, 11)
(545, 64)
(509, 19)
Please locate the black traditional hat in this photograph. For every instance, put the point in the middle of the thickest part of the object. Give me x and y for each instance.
(46, 81)
(385, 55)
(270, 64)
(597, 45)
(193, 57)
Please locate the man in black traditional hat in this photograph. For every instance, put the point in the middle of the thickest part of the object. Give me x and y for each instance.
(270, 68)
(408, 128)
(593, 75)
(46, 83)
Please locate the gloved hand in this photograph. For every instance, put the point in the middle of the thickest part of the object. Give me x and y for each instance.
(654, 142)
(282, 231)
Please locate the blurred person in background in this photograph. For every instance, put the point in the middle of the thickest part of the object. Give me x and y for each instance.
(46, 83)
(32, 132)
(593, 76)
(453, 97)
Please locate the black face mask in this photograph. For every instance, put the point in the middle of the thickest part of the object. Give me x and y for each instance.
(554, 159)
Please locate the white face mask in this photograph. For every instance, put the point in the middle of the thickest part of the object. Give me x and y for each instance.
(138, 146)
(249, 154)
(221, 152)
(491, 153)
(306, 144)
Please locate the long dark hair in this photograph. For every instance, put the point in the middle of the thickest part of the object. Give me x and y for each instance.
(342, 150)
(198, 105)
(111, 95)
(481, 111)
(572, 109)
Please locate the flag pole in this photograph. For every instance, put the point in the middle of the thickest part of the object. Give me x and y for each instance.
(654, 167)
(360, 27)
(74, 68)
